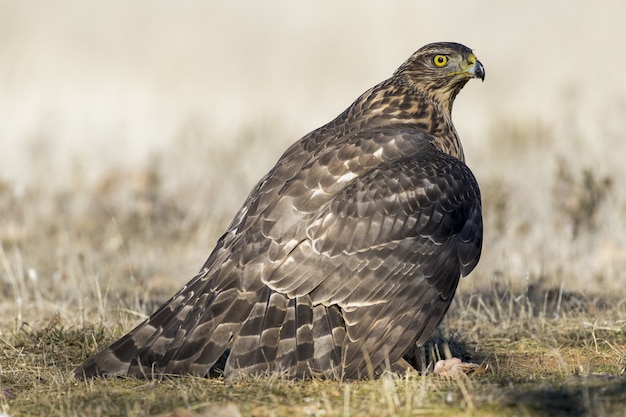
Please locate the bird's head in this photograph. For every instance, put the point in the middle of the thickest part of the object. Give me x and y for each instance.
(440, 70)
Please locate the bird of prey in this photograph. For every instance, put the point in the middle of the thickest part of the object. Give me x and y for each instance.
(343, 257)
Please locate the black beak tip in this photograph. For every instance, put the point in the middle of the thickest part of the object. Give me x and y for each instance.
(480, 71)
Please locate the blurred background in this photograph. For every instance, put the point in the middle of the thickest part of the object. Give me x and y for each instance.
(136, 129)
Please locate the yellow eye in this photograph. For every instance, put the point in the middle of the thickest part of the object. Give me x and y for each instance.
(440, 60)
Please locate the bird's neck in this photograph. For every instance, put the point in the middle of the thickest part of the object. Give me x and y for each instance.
(388, 104)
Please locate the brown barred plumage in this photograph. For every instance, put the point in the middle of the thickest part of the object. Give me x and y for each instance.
(346, 254)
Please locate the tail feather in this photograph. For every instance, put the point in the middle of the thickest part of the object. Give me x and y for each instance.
(304, 336)
(254, 348)
(208, 337)
(118, 358)
(261, 331)
(329, 333)
(287, 337)
(287, 344)
(164, 343)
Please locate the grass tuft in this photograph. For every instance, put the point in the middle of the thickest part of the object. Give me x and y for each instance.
(536, 359)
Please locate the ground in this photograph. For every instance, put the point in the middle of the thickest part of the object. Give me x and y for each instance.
(562, 357)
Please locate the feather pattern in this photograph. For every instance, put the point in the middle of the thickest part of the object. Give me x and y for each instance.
(346, 254)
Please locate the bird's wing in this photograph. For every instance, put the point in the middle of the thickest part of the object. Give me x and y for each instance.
(364, 237)
(384, 239)
(413, 209)
(388, 250)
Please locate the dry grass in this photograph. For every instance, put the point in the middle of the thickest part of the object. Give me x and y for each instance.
(114, 251)
(542, 352)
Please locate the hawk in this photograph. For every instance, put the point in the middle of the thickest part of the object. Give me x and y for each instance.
(344, 256)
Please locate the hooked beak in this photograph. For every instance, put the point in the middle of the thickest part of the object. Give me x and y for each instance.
(476, 70)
